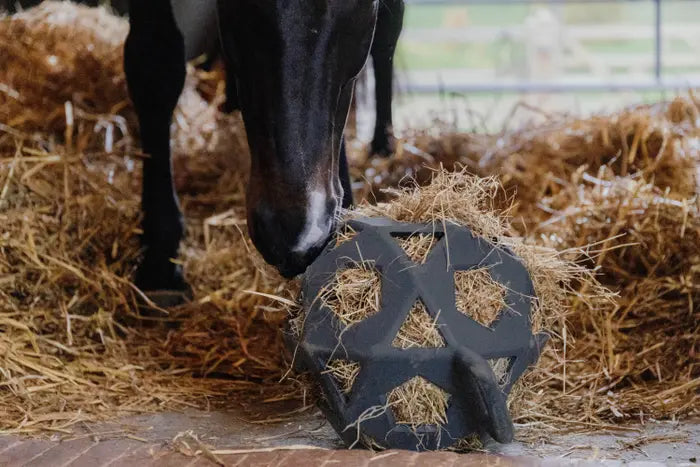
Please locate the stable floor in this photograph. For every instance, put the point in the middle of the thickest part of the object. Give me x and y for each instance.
(227, 438)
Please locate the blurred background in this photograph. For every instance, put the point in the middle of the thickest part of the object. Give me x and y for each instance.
(478, 64)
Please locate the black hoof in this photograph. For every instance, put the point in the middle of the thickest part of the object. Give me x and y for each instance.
(155, 274)
(155, 307)
(165, 299)
(163, 287)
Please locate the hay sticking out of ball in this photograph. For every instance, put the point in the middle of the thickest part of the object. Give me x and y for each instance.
(419, 402)
(478, 296)
(419, 330)
(344, 372)
(501, 370)
(344, 235)
(469, 444)
(355, 293)
(450, 197)
(418, 246)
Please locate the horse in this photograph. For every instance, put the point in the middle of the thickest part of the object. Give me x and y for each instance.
(291, 68)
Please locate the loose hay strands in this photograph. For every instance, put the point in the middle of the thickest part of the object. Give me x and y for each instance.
(72, 347)
(418, 246)
(418, 402)
(354, 294)
(419, 330)
(501, 368)
(478, 296)
(344, 235)
(344, 372)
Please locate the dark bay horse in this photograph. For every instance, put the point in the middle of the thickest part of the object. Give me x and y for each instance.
(291, 68)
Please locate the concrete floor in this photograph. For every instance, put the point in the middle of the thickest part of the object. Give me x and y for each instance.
(211, 438)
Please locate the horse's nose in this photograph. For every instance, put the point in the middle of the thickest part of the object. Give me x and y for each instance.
(291, 237)
(295, 264)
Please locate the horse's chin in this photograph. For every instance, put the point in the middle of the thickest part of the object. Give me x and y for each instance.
(297, 264)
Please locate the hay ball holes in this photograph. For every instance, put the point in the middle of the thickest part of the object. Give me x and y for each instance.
(389, 306)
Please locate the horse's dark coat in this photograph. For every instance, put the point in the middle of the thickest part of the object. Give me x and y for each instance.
(291, 67)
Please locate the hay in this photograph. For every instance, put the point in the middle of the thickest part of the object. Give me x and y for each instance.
(450, 196)
(419, 402)
(641, 347)
(467, 200)
(419, 330)
(344, 235)
(418, 246)
(478, 296)
(55, 54)
(344, 372)
(72, 347)
(501, 368)
(617, 194)
(656, 142)
(469, 444)
(354, 294)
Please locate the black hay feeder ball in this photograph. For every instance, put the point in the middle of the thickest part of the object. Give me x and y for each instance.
(361, 410)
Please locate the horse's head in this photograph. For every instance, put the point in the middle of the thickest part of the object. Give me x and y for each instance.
(296, 62)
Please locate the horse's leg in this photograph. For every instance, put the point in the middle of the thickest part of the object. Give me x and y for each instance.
(344, 174)
(232, 102)
(154, 61)
(389, 24)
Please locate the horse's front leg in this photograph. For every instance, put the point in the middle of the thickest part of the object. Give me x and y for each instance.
(154, 61)
(389, 25)
(232, 102)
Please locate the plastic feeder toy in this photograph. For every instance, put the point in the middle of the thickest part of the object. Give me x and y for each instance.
(415, 334)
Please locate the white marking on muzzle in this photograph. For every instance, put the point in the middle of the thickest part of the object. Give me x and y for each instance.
(317, 226)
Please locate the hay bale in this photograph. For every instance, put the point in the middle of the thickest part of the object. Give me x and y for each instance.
(647, 249)
(57, 53)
